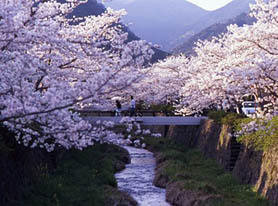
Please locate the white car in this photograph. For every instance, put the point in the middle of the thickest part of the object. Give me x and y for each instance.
(249, 108)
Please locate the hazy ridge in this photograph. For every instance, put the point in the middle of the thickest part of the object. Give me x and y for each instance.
(212, 31)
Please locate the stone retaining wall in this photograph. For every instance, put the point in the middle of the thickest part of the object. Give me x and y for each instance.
(259, 169)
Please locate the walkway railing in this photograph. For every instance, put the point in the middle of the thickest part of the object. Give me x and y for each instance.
(171, 120)
(110, 113)
(147, 117)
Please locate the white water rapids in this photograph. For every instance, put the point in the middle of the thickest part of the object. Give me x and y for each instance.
(137, 179)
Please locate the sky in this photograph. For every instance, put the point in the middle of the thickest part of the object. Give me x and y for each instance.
(210, 4)
(205, 4)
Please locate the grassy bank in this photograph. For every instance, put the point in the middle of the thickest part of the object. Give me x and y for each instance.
(82, 178)
(190, 171)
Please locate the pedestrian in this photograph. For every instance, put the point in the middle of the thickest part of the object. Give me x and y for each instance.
(118, 108)
(132, 106)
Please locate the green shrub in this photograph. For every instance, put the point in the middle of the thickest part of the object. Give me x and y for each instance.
(232, 119)
(162, 107)
(217, 116)
(264, 137)
(79, 179)
(222, 117)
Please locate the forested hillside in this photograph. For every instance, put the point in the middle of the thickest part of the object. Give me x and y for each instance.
(92, 7)
(212, 31)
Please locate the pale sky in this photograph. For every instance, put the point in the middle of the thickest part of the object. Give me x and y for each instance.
(210, 4)
(205, 4)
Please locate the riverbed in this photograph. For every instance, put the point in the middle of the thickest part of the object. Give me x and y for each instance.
(137, 179)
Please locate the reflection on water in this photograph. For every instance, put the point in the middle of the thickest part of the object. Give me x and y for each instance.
(137, 179)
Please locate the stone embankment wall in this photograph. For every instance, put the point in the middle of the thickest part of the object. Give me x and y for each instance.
(257, 168)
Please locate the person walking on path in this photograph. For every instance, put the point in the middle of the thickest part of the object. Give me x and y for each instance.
(132, 106)
(118, 108)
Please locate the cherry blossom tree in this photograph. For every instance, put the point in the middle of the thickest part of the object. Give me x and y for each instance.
(51, 65)
(163, 80)
(255, 54)
(241, 61)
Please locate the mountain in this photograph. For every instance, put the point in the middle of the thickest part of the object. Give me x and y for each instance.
(169, 23)
(158, 21)
(93, 7)
(219, 16)
(211, 31)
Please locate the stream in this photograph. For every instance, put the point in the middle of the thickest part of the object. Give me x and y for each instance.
(137, 179)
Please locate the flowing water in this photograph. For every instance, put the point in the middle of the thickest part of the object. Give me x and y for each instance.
(137, 179)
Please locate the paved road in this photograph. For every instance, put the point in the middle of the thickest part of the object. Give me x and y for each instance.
(171, 120)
